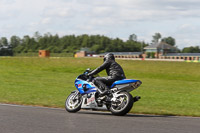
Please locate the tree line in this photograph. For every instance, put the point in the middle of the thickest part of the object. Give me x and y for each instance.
(67, 44)
(73, 43)
(191, 49)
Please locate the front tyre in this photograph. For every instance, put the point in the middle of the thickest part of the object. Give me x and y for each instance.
(73, 102)
(123, 104)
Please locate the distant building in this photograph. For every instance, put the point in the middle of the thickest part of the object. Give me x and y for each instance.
(159, 49)
(84, 52)
(184, 56)
(163, 50)
(124, 54)
(44, 53)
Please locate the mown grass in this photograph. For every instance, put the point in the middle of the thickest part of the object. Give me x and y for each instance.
(171, 88)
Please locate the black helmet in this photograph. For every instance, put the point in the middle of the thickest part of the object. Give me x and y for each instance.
(109, 56)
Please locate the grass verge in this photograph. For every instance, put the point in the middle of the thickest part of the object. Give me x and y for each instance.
(169, 88)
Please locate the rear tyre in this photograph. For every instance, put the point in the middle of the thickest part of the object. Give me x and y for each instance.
(73, 103)
(122, 105)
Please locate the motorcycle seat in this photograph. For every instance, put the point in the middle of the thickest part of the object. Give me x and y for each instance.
(123, 81)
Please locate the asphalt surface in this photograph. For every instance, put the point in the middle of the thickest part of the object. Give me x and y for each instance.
(28, 119)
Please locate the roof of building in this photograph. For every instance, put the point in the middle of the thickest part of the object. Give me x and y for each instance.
(87, 50)
(161, 45)
(183, 54)
(122, 53)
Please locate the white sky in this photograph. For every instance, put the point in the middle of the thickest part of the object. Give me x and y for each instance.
(113, 18)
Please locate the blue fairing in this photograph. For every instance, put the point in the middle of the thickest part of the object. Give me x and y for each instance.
(124, 81)
(79, 85)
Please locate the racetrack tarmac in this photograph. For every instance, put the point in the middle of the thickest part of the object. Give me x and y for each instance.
(28, 119)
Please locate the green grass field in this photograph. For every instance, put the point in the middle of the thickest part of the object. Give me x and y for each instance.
(169, 88)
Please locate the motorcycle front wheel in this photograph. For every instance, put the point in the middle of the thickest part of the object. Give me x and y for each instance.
(122, 105)
(73, 102)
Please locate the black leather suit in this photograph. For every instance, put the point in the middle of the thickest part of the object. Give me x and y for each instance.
(114, 72)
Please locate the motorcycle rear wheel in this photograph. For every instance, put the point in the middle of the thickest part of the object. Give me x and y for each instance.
(122, 105)
(73, 104)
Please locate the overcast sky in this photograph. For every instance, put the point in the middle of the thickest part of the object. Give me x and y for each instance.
(113, 18)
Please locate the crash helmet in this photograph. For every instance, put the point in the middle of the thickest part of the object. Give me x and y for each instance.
(109, 56)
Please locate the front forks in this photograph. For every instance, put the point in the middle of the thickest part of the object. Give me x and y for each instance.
(76, 94)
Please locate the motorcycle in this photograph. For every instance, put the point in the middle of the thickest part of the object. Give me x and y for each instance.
(119, 101)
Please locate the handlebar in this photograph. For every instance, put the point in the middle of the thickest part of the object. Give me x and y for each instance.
(85, 76)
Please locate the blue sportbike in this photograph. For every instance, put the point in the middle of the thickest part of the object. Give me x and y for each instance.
(119, 101)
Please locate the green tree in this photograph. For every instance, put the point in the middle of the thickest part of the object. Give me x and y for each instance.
(37, 36)
(156, 37)
(169, 40)
(133, 37)
(14, 41)
(4, 41)
(85, 41)
(5, 48)
(191, 49)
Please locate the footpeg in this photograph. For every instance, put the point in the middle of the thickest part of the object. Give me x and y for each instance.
(136, 98)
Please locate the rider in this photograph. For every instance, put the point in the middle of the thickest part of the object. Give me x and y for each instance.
(114, 72)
